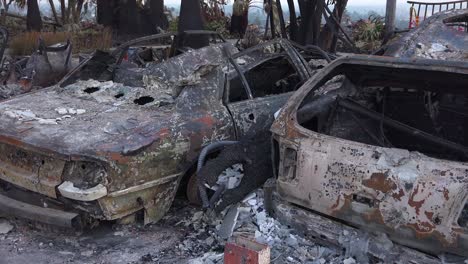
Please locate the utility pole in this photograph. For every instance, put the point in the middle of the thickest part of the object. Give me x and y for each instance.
(390, 15)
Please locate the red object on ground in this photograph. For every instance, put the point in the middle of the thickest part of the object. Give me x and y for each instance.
(245, 251)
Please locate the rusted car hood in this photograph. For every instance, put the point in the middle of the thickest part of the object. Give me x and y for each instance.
(92, 118)
(54, 121)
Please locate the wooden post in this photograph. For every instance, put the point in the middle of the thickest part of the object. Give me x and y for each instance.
(390, 15)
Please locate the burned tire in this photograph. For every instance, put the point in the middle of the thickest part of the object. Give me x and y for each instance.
(254, 155)
(192, 191)
(213, 168)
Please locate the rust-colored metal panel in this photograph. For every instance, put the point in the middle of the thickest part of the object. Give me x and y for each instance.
(417, 196)
(245, 251)
(31, 171)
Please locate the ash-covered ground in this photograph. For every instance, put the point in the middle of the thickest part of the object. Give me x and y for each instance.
(186, 235)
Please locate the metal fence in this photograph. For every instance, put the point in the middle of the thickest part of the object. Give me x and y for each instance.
(417, 14)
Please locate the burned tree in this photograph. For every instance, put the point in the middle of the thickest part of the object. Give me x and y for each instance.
(328, 39)
(239, 18)
(127, 17)
(33, 17)
(191, 19)
(308, 30)
(105, 11)
(293, 27)
(157, 16)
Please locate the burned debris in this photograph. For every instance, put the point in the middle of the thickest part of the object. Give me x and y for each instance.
(443, 36)
(286, 151)
(43, 68)
(126, 162)
(141, 52)
(368, 143)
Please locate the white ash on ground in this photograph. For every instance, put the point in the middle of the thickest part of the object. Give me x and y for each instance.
(186, 235)
(439, 51)
(249, 219)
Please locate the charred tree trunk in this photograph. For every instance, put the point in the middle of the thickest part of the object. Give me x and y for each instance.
(33, 17)
(63, 11)
(318, 10)
(54, 11)
(293, 27)
(340, 12)
(281, 19)
(158, 18)
(302, 7)
(328, 38)
(128, 17)
(191, 19)
(77, 11)
(311, 18)
(307, 21)
(272, 19)
(105, 11)
(70, 10)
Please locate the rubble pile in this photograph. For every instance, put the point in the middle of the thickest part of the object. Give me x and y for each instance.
(439, 51)
(249, 219)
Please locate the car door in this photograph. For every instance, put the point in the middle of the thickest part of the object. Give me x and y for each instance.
(269, 82)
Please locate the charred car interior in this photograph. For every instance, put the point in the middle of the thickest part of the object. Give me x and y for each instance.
(137, 53)
(380, 143)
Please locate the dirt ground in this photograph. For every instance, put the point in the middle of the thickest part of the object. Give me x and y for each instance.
(185, 235)
(108, 243)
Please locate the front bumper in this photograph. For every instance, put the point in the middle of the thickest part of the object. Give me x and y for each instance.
(12, 207)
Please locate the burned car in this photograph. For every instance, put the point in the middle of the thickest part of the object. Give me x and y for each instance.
(380, 143)
(51, 64)
(107, 150)
(45, 67)
(442, 36)
(137, 53)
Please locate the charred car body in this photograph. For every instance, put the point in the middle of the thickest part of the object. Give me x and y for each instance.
(141, 52)
(49, 65)
(43, 68)
(380, 143)
(442, 36)
(111, 149)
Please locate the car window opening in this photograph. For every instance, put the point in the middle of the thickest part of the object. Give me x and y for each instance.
(119, 95)
(275, 76)
(143, 100)
(91, 90)
(463, 218)
(433, 123)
